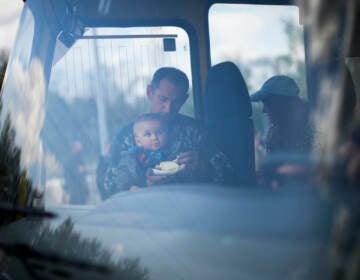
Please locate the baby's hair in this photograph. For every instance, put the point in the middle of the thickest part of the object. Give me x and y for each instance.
(153, 117)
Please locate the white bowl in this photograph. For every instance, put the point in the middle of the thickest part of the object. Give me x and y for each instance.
(165, 172)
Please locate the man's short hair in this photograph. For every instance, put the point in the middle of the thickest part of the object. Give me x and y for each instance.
(174, 75)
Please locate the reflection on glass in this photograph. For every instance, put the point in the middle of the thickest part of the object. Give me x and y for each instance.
(61, 250)
(16, 189)
(21, 51)
(25, 100)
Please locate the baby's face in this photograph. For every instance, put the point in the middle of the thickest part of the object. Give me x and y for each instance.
(150, 135)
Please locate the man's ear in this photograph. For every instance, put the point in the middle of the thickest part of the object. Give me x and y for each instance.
(149, 91)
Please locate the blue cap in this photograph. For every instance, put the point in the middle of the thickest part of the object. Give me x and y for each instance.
(277, 85)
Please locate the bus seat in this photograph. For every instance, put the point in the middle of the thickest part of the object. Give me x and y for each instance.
(228, 120)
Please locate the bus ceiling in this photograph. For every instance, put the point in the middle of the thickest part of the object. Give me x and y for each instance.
(73, 16)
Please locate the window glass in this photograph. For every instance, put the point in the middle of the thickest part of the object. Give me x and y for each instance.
(96, 87)
(22, 51)
(263, 41)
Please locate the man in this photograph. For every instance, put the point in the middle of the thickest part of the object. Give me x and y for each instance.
(166, 94)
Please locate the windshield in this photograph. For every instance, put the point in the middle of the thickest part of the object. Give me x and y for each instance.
(166, 142)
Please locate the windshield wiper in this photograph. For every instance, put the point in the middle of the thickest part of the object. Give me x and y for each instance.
(26, 211)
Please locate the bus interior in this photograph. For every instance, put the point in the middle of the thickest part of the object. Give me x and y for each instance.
(78, 73)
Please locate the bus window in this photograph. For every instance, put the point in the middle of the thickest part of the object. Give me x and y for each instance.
(105, 73)
(263, 41)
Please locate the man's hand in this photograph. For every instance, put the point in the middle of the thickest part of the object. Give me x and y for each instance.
(190, 159)
(152, 179)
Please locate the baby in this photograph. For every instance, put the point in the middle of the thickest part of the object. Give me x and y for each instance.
(150, 136)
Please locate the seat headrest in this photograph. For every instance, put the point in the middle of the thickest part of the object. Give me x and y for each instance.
(226, 92)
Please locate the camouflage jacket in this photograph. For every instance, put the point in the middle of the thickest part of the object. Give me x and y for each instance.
(184, 135)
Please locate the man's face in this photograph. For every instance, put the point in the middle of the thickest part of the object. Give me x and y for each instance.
(166, 98)
(150, 135)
